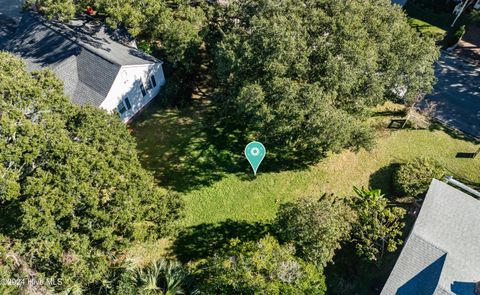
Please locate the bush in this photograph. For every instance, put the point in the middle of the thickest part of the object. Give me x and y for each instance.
(315, 227)
(453, 38)
(413, 178)
(460, 32)
(263, 267)
(474, 17)
(161, 276)
(379, 226)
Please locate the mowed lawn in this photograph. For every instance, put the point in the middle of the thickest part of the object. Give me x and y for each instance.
(173, 144)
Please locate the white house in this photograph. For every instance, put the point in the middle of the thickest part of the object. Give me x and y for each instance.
(96, 64)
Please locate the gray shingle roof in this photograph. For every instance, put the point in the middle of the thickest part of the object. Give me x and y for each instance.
(81, 53)
(442, 253)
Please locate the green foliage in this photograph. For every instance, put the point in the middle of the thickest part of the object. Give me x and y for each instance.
(379, 226)
(455, 35)
(459, 32)
(474, 17)
(262, 267)
(300, 77)
(159, 277)
(176, 25)
(315, 227)
(412, 178)
(72, 189)
(7, 268)
(63, 10)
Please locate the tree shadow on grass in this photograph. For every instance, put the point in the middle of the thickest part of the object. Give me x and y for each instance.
(204, 240)
(438, 126)
(186, 147)
(383, 179)
(175, 144)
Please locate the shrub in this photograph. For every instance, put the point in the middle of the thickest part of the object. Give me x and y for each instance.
(474, 17)
(263, 267)
(413, 178)
(315, 227)
(453, 38)
(379, 226)
(460, 32)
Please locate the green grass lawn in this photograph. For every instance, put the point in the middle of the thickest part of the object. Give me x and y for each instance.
(431, 23)
(224, 201)
(427, 29)
(255, 200)
(172, 144)
(437, 20)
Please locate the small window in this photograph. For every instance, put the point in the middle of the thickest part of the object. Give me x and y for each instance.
(127, 103)
(152, 79)
(121, 108)
(144, 92)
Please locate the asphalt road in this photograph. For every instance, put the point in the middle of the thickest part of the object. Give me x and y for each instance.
(456, 95)
(11, 8)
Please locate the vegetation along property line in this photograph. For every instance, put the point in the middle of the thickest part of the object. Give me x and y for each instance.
(235, 196)
(95, 199)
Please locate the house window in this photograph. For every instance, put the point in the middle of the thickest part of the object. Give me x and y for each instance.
(121, 108)
(152, 79)
(144, 92)
(127, 103)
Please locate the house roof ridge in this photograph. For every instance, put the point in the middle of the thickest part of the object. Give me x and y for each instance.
(53, 25)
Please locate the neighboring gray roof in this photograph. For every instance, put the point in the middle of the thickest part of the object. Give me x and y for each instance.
(442, 254)
(81, 53)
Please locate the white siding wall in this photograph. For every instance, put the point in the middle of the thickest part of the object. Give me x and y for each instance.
(127, 84)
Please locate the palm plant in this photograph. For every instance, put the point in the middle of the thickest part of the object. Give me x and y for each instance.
(165, 277)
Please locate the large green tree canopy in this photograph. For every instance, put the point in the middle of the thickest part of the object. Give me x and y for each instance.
(299, 75)
(73, 194)
(175, 24)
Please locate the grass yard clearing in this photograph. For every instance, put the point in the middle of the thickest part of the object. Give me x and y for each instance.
(435, 19)
(430, 22)
(427, 29)
(172, 144)
(224, 201)
(258, 200)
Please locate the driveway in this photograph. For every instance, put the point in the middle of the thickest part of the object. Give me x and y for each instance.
(456, 95)
(10, 14)
(11, 9)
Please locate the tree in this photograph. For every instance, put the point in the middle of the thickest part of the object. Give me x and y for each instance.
(300, 77)
(379, 226)
(73, 194)
(176, 24)
(315, 227)
(171, 30)
(261, 267)
(63, 10)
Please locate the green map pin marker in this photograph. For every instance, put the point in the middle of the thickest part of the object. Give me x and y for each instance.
(255, 152)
